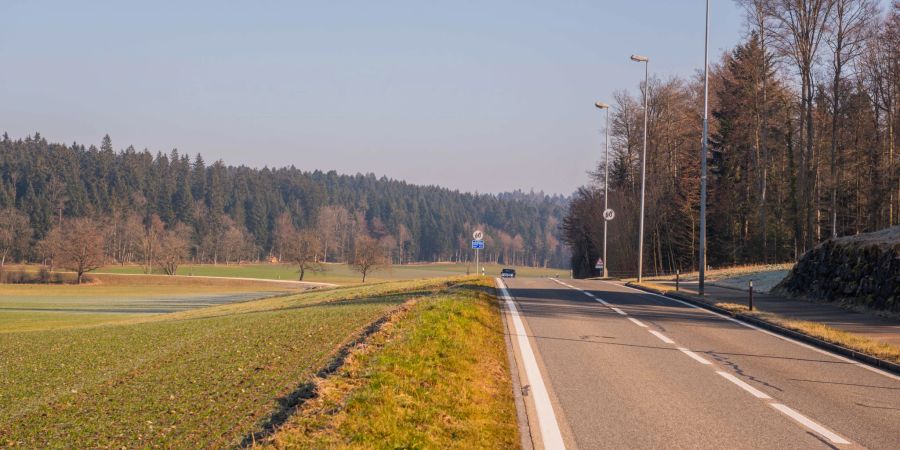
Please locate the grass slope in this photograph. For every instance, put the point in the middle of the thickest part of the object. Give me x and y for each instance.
(437, 377)
(200, 378)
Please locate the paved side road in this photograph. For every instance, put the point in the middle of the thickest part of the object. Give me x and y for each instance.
(625, 369)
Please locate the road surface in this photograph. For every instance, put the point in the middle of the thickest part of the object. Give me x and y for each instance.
(625, 369)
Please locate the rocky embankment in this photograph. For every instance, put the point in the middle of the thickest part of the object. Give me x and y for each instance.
(860, 270)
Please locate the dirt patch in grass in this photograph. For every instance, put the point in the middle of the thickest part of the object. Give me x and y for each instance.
(434, 377)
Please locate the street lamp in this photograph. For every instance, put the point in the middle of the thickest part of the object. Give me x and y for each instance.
(646, 61)
(602, 105)
(702, 255)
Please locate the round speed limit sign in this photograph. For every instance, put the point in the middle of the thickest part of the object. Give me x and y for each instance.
(478, 235)
(609, 214)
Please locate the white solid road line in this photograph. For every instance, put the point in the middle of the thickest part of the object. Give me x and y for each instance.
(770, 333)
(550, 434)
(637, 322)
(809, 423)
(756, 392)
(662, 337)
(695, 356)
(619, 311)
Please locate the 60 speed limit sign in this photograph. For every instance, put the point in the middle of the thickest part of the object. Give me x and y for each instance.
(609, 214)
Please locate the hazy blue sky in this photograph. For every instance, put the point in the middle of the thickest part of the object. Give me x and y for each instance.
(475, 95)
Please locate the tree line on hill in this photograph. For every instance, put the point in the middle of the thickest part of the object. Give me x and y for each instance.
(161, 210)
(803, 129)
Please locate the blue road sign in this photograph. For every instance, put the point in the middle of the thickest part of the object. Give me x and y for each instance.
(478, 244)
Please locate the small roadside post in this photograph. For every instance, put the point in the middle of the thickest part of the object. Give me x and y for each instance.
(478, 244)
(677, 279)
(751, 295)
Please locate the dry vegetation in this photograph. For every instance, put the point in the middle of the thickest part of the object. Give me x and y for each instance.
(434, 377)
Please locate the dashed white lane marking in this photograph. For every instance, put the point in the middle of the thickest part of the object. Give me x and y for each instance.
(695, 356)
(550, 434)
(809, 423)
(754, 327)
(784, 409)
(662, 337)
(637, 322)
(619, 311)
(752, 390)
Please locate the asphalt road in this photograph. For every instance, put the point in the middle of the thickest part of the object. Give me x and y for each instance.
(627, 369)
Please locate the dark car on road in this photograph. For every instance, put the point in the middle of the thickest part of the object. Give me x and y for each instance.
(508, 273)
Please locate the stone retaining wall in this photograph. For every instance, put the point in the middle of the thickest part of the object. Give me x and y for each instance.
(861, 270)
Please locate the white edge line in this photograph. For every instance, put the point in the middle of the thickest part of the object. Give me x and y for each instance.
(752, 390)
(695, 356)
(662, 337)
(550, 434)
(809, 423)
(637, 322)
(770, 333)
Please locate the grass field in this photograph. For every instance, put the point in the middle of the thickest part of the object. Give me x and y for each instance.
(113, 298)
(436, 377)
(205, 377)
(338, 273)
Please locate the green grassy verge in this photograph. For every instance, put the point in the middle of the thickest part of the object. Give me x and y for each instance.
(435, 377)
(338, 273)
(201, 378)
(821, 331)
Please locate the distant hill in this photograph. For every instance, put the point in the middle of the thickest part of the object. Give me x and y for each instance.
(47, 181)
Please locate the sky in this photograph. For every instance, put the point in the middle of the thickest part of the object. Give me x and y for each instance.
(485, 96)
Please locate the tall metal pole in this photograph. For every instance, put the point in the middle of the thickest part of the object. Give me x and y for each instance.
(606, 196)
(643, 169)
(702, 256)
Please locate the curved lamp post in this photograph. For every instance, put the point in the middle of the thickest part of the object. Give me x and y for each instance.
(602, 105)
(646, 61)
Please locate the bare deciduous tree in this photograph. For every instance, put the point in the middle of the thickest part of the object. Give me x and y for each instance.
(849, 32)
(77, 245)
(368, 257)
(173, 248)
(799, 27)
(302, 249)
(15, 234)
(149, 241)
